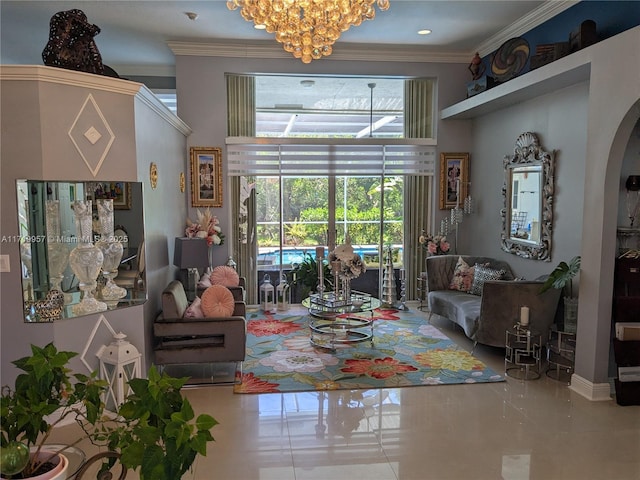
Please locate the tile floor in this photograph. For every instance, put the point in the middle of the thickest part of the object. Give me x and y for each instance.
(535, 430)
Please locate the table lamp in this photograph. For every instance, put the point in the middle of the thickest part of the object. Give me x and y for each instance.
(191, 254)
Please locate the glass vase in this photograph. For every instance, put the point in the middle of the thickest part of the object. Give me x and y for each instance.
(112, 251)
(86, 260)
(57, 249)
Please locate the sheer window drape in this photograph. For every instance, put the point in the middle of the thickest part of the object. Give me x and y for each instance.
(241, 122)
(418, 123)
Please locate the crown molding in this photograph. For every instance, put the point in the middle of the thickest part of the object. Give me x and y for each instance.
(61, 76)
(343, 51)
(533, 19)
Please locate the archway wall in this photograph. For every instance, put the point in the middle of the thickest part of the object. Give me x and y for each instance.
(613, 110)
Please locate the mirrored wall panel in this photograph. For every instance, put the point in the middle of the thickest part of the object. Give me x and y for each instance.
(81, 246)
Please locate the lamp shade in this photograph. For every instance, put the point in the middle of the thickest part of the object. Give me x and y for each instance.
(633, 183)
(191, 253)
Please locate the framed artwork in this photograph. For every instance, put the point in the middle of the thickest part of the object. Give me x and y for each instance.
(454, 179)
(206, 177)
(120, 192)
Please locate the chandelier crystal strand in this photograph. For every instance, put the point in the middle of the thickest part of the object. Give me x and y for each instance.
(307, 28)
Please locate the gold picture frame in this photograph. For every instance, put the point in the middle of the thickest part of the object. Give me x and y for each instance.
(206, 176)
(454, 175)
(120, 192)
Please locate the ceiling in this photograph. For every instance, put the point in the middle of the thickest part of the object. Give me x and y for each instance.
(135, 34)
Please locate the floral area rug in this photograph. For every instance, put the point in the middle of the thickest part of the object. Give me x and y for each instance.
(406, 351)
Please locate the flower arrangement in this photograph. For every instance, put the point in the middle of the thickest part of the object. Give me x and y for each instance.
(207, 227)
(434, 244)
(351, 265)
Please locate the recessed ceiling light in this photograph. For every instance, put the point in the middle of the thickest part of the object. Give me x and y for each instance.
(192, 15)
(307, 83)
(260, 27)
(426, 31)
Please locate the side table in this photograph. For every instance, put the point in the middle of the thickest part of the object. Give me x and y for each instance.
(561, 350)
(522, 353)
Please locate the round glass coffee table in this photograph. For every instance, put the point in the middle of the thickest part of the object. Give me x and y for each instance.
(327, 306)
(330, 333)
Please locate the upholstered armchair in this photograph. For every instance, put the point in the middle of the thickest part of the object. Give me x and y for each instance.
(184, 337)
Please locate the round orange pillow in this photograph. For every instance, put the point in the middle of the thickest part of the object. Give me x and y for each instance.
(217, 301)
(224, 275)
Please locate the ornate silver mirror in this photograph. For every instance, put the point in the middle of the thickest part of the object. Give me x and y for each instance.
(50, 240)
(527, 216)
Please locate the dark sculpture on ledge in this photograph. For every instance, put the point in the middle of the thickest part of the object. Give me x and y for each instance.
(71, 43)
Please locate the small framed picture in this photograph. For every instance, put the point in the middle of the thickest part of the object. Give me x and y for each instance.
(120, 192)
(454, 179)
(206, 177)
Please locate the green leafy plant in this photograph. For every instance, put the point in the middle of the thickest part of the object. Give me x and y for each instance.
(156, 429)
(46, 387)
(305, 274)
(561, 277)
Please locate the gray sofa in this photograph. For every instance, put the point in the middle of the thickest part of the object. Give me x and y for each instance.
(197, 340)
(486, 317)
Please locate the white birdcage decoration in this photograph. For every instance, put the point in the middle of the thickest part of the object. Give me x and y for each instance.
(283, 295)
(119, 363)
(267, 292)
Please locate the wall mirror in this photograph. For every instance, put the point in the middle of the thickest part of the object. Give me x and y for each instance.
(527, 215)
(48, 236)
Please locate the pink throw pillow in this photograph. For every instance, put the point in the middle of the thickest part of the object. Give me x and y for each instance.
(462, 276)
(224, 275)
(217, 302)
(205, 280)
(194, 310)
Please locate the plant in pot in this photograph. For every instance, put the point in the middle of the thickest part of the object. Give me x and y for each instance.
(156, 429)
(46, 387)
(305, 276)
(562, 279)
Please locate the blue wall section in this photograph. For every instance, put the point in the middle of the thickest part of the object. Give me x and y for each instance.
(611, 17)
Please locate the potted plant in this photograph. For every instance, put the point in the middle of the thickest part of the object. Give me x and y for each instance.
(562, 279)
(305, 276)
(156, 429)
(45, 388)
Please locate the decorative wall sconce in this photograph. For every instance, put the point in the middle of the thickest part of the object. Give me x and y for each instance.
(182, 182)
(153, 175)
(633, 197)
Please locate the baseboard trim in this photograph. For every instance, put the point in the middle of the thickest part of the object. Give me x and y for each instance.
(596, 392)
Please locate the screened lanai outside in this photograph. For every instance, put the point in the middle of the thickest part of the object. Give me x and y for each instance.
(342, 157)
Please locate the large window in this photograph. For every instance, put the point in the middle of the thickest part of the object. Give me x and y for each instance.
(330, 157)
(329, 107)
(296, 214)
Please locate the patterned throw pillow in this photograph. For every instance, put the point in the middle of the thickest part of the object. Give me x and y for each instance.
(481, 275)
(224, 275)
(462, 276)
(217, 302)
(194, 310)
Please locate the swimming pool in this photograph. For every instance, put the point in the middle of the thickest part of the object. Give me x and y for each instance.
(291, 256)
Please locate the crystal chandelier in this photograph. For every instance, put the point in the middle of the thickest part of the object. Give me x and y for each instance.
(307, 28)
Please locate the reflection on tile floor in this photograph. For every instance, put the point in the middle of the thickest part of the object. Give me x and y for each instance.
(536, 430)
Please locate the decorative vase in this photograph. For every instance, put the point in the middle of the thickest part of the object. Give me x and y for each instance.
(86, 260)
(57, 250)
(112, 253)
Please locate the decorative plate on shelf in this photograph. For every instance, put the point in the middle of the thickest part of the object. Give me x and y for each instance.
(510, 59)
